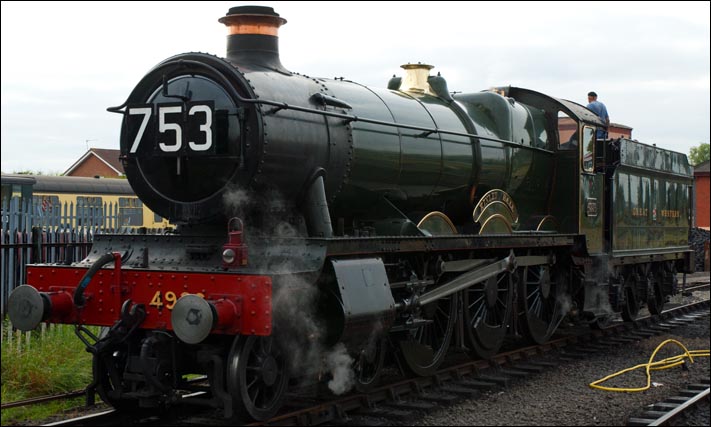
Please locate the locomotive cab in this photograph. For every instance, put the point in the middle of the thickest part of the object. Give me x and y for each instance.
(575, 157)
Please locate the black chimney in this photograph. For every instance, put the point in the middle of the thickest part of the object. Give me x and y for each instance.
(253, 36)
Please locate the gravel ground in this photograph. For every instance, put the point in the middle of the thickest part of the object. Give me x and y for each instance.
(562, 396)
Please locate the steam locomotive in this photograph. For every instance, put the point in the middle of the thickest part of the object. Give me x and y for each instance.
(323, 224)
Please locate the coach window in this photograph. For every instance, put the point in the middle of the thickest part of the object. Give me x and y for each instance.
(130, 212)
(45, 205)
(90, 210)
(588, 151)
(6, 195)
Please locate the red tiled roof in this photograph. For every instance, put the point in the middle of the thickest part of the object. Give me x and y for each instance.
(109, 156)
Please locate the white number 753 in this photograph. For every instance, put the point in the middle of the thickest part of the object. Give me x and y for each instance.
(164, 126)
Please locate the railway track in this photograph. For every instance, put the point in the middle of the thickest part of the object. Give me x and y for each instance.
(697, 287)
(43, 399)
(463, 380)
(99, 418)
(401, 397)
(675, 407)
(103, 416)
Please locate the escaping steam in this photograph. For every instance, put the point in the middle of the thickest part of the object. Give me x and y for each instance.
(266, 212)
(301, 334)
(565, 303)
(298, 329)
(340, 364)
(601, 294)
(236, 201)
(601, 299)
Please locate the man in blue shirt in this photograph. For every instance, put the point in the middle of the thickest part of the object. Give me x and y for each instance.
(598, 108)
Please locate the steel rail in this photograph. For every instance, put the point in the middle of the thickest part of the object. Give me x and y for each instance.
(681, 409)
(86, 419)
(68, 395)
(43, 399)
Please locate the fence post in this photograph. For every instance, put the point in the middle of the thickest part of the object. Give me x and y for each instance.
(36, 245)
(23, 238)
(110, 219)
(5, 254)
(12, 256)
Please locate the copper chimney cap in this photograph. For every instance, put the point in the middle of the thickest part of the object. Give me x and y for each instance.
(253, 20)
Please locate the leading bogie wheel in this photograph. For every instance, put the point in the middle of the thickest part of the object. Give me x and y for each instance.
(369, 365)
(108, 372)
(257, 376)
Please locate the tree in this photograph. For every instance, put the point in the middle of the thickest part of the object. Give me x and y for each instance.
(38, 172)
(700, 154)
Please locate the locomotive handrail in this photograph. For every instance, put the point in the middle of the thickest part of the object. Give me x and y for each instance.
(284, 106)
(353, 118)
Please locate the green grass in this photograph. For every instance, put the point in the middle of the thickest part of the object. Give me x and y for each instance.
(54, 363)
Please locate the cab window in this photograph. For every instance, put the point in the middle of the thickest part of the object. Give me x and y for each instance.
(588, 151)
(567, 132)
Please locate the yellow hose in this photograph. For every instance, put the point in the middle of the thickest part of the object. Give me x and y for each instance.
(667, 363)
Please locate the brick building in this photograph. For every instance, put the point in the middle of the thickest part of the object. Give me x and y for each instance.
(701, 195)
(566, 128)
(97, 162)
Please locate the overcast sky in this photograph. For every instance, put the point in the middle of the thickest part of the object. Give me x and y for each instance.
(63, 63)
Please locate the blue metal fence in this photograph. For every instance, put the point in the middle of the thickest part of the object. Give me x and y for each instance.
(53, 234)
